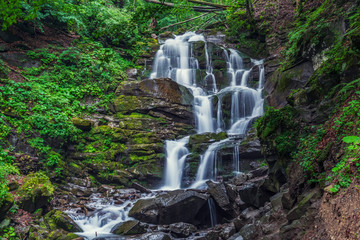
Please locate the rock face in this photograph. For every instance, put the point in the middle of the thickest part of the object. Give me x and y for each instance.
(144, 114)
(172, 207)
(280, 83)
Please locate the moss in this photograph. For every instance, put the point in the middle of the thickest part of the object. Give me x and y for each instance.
(82, 124)
(5, 205)
(36, 184)
(36, 192)
(56, 219)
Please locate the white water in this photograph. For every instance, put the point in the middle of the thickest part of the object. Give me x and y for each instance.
(100, 222)
(175, 60)
(176, 153)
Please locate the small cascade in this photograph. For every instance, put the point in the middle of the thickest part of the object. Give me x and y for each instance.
(100, 222)
(176, 153)
(236, 159)
(207, 168)
(212, 210)
(175, 59)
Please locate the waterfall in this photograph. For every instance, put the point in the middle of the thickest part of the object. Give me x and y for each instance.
(212, 210)
(175, 59)
(176, 153)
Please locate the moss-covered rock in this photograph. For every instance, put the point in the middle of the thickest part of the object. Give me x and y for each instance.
(199, 142)
(56, 219)
(36, 192)
(131, 227)
(5, 205)
(82, 124)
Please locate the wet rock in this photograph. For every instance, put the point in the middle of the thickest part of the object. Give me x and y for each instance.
(249, 232)
(228, 231)
(140, 187)
(155, 236)
(236, 236)
(56, 219)
(250, 214)
(172, 207)
(131, 227)
(239, 179)
(182, 230)
(259, 172)
(219, 193)
(253, 193)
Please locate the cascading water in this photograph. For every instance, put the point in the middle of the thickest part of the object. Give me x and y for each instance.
(175, 60)
(176, 153)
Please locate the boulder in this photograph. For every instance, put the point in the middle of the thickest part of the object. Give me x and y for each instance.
(219, 194)
(131, 227)
(155, 236)
(56, 219)
(36, 192)
(253, 193)
(248, 232)
(259, 172)
(172, 207)
(158, 97)
(228, 231)
(82, 124)
(182, 230)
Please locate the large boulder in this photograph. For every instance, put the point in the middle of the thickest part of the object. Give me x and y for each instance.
(158, 97)
(219, 193)
(36, 192)
(131, 227)
(254, 193)
(172, 207)
(182, 230)
(155, 236)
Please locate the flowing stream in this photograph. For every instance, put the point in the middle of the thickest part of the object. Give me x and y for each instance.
(175, 59)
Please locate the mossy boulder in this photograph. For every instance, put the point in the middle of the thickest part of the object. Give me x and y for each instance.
(36, 192)
(82, 124)
(56, 219)
(198, 143)
(5, 205)
(131, 227)
(162, 96)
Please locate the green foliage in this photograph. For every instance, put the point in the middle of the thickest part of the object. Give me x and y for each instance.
(308, 154)
(8, 233)
(278, 129)
(14, 10)
(344, 170)
(6, 168)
